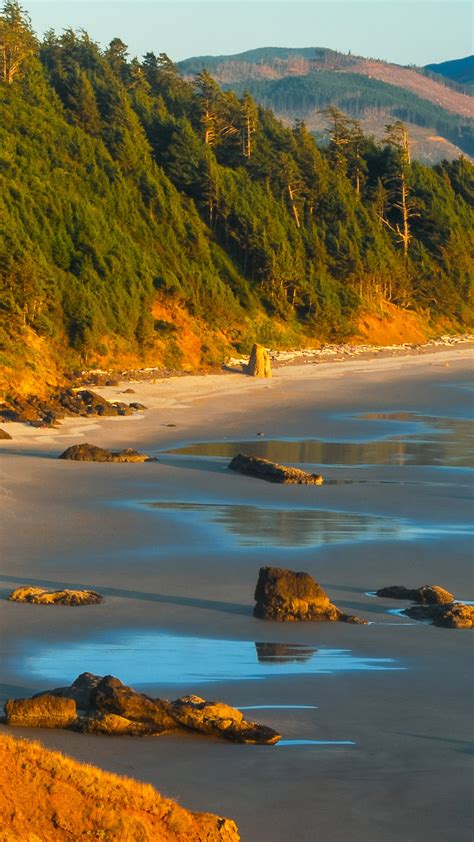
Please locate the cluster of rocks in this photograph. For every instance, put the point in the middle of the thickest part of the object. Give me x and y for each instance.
(432, 603)
(255, 466)
(65, 404)
(104, 705)
(289, 596)
(92, 453)
(43, 596)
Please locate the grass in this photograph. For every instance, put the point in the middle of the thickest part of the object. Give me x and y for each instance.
(46, 796)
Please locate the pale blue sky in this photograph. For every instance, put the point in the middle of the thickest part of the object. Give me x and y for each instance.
(410, 31)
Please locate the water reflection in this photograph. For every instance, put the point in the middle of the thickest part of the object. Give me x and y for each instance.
(255, 526)
(405, 438)
(284, 653)
(156, 658)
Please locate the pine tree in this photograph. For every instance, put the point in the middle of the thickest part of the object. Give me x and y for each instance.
(17, 41)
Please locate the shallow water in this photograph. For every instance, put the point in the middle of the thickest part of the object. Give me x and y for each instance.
(157, 658)
(398, 438)
(254, 526)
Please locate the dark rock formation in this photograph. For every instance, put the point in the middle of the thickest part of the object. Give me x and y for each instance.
(426, 595)
(254, 466)
(65, 404)
(4, 435)
(41, 596)
(259, 363)
(46, 711)
(453, 615)
(109, 707)
(91, 453)
(288, 596)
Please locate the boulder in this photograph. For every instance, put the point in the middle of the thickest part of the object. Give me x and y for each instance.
(82, 690)
(288, 596)
(455, 615)
(41, 596)
(92, 453)
(4, 435)
(117, 726)
(259, 363)
(46, 711)
(220, 720)
(112, 696)
(254, 466)
(426, 595)
(110, 707)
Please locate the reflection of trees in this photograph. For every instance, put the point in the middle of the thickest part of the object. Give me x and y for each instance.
(447, 442)
(293, 527)
(284, 653)
(290, 527)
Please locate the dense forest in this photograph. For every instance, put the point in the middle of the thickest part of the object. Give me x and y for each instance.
(128, 195)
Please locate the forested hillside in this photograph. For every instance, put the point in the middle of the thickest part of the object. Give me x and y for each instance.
(297, 83)
(147, 219)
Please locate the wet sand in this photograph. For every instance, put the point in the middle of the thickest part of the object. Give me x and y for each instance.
(188, 572)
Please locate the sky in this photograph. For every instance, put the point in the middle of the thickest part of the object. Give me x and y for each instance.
(403, 31)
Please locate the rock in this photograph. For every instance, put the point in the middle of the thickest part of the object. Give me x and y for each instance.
(259, 363)
(4, 435)
(455, 615)
(141, 407)
(111, 696)
(82, 690)
(426, 595)
(113, 708)
(254, 466)
(46, 711)
(289, 596)
(41, 596)
(114, 725)
(91, 453)
(220, 720)
(128, 392)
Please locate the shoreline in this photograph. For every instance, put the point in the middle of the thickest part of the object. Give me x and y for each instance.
(87, 525)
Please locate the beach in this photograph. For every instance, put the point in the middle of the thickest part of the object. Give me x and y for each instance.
(375, 720)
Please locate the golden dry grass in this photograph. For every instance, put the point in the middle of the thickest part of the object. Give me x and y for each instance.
(45, 796)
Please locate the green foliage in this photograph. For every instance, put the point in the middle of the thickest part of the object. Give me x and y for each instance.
(110, 195)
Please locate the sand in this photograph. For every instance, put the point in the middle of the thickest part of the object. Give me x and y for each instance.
(408, 774)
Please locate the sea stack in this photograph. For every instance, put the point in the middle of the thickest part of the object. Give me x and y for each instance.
(259, 362)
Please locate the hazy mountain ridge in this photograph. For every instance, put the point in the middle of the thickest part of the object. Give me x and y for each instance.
(460, 70)
(312, 78)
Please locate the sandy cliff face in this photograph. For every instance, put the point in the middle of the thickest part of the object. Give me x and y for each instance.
(46, 796)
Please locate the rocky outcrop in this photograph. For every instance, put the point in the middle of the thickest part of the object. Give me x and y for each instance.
(107, 706)
(92, 453)
(47, 796)
(254, 466)
(289, 596)
(426, 595)
(41, 596)
(4, 435)
(46, 711)
(455, 615)
(65, 404)
(259, 364)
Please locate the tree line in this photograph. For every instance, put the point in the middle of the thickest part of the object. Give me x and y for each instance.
(121, 182)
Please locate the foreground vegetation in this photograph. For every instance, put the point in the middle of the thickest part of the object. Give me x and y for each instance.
(146, 218)
(47, 796)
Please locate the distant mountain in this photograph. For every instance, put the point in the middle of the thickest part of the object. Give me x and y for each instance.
(460, 70)
(298, 83)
